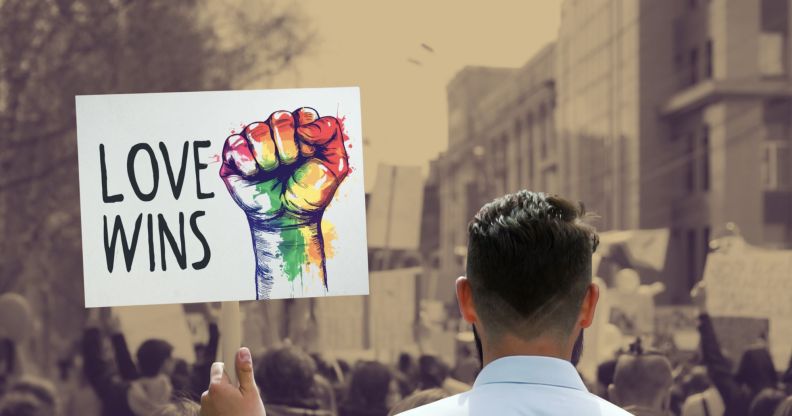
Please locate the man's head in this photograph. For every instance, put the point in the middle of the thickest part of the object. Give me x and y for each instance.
(529, 270)
(642, 380)
(154, 357)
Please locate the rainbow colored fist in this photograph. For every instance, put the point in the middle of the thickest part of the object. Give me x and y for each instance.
(283, 173)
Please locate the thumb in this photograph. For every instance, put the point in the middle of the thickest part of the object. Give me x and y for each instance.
(244, 369)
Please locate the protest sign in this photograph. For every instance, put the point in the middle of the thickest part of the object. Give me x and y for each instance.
(393, 310)
(754, 283)
(221, 196)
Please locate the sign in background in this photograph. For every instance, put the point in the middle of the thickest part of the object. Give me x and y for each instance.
(753, 283)
(193, 242)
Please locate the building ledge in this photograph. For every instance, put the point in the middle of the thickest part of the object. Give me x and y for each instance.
(707, 91)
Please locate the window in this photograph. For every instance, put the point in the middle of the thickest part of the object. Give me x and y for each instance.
(778, 207)
(704, 154)
(690, 156)
(708, 59)
(776, 115)
(774, 15)
(693, 66)
(775, 169)
(692, 266)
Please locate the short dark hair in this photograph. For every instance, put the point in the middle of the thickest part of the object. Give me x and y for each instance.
(529, 263)
(151, 356)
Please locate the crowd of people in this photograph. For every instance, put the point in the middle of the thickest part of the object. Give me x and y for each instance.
(524, 355)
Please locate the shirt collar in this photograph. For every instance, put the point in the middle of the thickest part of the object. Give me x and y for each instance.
(531, 369)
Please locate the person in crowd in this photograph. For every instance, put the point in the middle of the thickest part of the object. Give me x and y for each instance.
(785, 408)
(372, 391)
(286, 377)
(77, 395)
(703, 398)
(528, 294)
(126, 389)
(605, 372)
(22, 405)
(330, 381)
(406, 374)
(181, 377)
(180, 407)
(755, 371)
(431, 372)
(417, 399)
(641, 383)
(18, 323)
(30, 395)
(766, 402)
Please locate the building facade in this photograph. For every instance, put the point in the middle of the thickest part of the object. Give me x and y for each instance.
(676, 114)
(656, 114)
(501, 139)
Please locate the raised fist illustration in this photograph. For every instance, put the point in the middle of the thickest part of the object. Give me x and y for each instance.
(283, 173)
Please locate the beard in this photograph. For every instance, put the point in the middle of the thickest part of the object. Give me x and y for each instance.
(577, 350)
(479, 352)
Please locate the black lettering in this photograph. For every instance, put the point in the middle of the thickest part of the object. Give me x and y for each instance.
(200, 166)
(107, 199)
(129, 249)
(152, 262)
(131, 171)
(176, 184)
(180, 251)
(198, 265)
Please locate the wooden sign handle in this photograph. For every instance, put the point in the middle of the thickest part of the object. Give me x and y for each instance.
(230, 337)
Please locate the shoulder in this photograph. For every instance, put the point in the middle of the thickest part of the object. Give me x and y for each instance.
(512, 399)
(450, 406)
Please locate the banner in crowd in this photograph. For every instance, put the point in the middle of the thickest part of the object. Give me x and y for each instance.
(220, 196)
(754, 283)
(392, 310)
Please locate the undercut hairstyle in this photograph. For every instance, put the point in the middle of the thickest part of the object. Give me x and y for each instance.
(529, 264)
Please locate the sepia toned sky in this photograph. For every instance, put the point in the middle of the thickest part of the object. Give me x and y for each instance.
(368, 44)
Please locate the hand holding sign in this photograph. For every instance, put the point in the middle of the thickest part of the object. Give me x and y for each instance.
(224, 398)
(283, 172)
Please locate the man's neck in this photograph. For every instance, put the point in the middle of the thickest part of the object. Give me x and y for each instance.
(510, 346)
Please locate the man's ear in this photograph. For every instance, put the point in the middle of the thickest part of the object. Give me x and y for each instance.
(465, 300)
(589, 306)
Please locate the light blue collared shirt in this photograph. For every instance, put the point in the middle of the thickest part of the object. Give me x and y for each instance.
(524, 385)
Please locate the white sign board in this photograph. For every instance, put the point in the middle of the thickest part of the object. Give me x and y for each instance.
(219, 196)
(754, 284)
